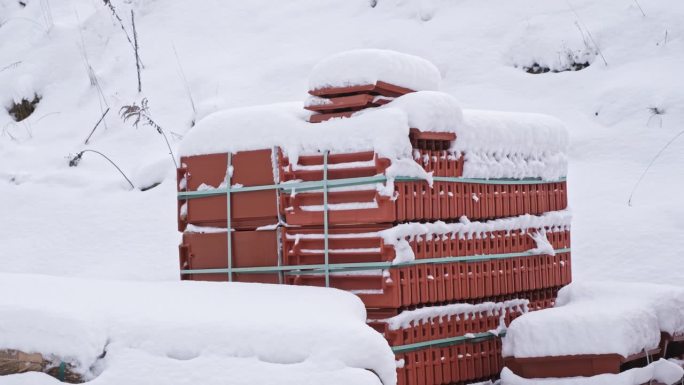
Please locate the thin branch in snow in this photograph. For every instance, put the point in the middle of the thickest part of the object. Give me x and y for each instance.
(187, 86)
(664, 41)
(92, 77)
(46, 12)
(96, 124)
(655, 111)
(641, 9)
(74, 160)
(10, 66)
(588, 32)
(108, 3)
(629, 201)
(141, 114)
(137, 57)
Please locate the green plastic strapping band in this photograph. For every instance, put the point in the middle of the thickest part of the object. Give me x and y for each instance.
(472, 338)
(325, 219)
(61, 371)
(361, 266)
(229, 235)
(347, 182)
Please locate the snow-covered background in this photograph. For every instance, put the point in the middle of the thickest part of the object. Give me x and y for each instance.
(85, 222)
(86, 227)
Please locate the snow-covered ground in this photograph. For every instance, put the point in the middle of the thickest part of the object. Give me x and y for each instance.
(85, 222)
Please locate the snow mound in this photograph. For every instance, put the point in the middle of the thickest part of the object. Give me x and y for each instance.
(662, 371)
(235, 323)
(666, 302)
(599, 318)
(137, 367)
(368, 66)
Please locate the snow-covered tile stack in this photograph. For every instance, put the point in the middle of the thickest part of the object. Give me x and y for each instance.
(348, 82)
(600, 333)
(447, 223)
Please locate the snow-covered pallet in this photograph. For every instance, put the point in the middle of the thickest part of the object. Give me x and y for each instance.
(360, 203)
(632, 332)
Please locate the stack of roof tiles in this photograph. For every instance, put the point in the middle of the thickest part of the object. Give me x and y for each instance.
(444, 311)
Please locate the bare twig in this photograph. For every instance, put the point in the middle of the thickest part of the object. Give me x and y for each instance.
(641, 9)
(629, 201)
(96, 124)
(92, 77)
(76, 159)
(35, 23)
(5, 130)
(108, 3)
(11, 65)
(176, 135)
(187, 86)
(584, 39)
(141, 113)
(137, 57)
(588, 32)
(46, 12)
(46, 115)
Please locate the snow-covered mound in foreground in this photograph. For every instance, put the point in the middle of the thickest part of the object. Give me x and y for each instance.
(279, 334)
(599, 318)
(368, 66)
(663, 371)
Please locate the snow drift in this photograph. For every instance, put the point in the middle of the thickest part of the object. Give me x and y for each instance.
(245, 326)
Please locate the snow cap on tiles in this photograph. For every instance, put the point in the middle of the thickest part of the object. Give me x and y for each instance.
(430, 111)
(284, 125)
(368, 66)
(599, 318)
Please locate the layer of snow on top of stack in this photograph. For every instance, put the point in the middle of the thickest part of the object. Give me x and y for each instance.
(494, 144)
(368, 66)
(270, 323)
(599, 318)
(385, 131)
(512, 145)
(429, 111)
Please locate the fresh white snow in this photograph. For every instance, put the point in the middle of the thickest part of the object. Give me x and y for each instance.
(368, 66)
(408, 318)
(84, 221)
(234, 324)
(599, 318)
